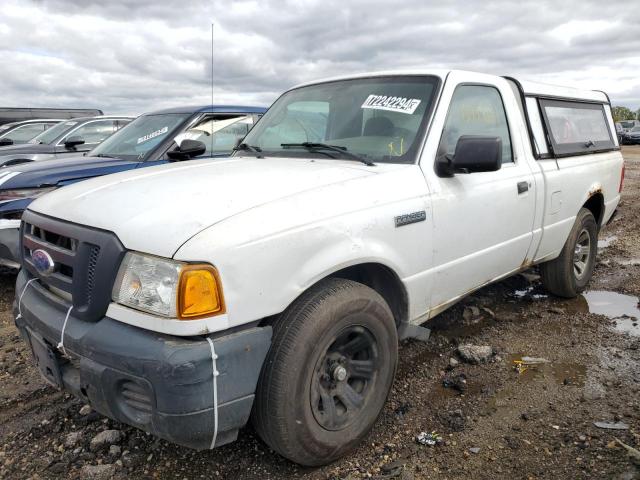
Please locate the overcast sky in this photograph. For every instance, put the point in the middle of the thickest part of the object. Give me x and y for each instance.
(132, 56)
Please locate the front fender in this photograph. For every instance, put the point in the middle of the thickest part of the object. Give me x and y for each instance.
(263, 276)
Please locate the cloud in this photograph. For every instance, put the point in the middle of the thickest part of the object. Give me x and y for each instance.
(132, 56)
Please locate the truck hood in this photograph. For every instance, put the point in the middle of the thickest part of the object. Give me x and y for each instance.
(157, 209)
(60, 171)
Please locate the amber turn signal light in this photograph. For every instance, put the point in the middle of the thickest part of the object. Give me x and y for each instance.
(199, 292)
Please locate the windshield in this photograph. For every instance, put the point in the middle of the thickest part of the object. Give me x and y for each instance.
(49, 135)
(137, 139)
(379, 119)
(627, 124)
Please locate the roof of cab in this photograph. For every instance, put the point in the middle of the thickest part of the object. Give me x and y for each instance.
(529, 88)
(97, 117)
(212, 109)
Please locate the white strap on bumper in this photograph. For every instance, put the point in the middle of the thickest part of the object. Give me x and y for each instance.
(60, 345)
(64, 326)
(214, 357)
(24, 289)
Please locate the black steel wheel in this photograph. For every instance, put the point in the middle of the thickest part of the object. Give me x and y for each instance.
(345, 377)
(328, 372)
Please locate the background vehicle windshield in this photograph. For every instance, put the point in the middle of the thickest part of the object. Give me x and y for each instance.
(378, 118)
(134, 141)
(49, 135)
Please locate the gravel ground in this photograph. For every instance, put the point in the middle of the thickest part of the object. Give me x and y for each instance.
(495, 422)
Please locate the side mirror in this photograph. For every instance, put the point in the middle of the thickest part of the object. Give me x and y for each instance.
(187, 149)
(5, 141)
(73, 142)
(473, 153)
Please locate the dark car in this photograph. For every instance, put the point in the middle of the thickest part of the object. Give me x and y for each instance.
(151, 139)
(9, 115)
(71, 137)
(21, 132)
(630, 137)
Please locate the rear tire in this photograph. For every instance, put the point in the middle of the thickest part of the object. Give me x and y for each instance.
(569, 274)
(328, 372)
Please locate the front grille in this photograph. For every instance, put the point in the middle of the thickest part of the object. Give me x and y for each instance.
(86, 261)
(62, 250)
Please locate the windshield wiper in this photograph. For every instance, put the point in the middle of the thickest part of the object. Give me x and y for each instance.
(102, 155)
(332, 148)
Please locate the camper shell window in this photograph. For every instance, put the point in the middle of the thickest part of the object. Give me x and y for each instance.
(576, 127)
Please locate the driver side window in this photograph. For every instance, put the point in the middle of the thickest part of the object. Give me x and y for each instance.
(94, 132)
(476, 110)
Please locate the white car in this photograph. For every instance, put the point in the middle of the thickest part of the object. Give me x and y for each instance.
(185, 298)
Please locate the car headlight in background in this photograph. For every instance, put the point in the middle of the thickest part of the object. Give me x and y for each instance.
(24, 193)
(165, 287)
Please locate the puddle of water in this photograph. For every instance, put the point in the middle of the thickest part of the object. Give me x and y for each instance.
(606, 241)
(558, 373)
(563, 373)
(623, 309)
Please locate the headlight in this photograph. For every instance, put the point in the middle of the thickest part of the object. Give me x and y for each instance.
(24, 193)
(168, 288)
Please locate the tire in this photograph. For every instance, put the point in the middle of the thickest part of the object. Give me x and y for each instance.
(564, 276)
(335, 345)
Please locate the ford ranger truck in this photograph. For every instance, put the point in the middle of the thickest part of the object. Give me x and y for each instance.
(186, 299)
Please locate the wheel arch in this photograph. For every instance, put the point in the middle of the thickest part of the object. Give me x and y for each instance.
(375, 275)
(595, 204)
(384, 281)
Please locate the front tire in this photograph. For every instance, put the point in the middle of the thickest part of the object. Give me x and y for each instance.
(328, 372)
(569, 274)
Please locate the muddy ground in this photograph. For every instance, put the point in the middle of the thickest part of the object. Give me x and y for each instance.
(535, 424)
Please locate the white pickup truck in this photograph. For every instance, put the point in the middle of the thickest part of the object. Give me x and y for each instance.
(275, 284)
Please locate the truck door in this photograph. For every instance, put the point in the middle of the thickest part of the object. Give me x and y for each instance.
(482, 222)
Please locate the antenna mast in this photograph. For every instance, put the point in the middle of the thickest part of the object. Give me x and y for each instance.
(211, 120)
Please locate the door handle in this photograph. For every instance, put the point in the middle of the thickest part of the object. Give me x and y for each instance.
(523, 187)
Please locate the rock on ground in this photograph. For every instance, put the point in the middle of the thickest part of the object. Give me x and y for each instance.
(98, 472)
(72, 439)
(105, 439)
(475, 353)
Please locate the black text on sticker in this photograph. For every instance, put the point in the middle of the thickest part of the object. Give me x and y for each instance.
(393, 104)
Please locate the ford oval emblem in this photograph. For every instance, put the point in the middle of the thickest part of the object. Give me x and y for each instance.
(43, 262)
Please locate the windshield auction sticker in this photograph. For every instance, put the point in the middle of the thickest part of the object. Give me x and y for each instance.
(151, 135)
(392, 104)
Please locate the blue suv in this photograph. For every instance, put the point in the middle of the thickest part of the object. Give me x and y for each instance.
(151, 139)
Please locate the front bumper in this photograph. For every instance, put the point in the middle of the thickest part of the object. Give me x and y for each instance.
(159, 383)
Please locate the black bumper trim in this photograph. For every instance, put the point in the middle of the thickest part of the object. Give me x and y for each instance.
(159, 383)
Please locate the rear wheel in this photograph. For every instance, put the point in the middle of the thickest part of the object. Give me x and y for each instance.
(569, 274)
(328, 373)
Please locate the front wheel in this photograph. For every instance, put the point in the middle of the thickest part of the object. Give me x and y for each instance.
(568, 275)
(328, 372)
